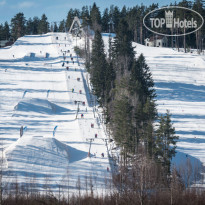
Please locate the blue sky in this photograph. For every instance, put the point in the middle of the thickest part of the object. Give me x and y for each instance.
(56, 10)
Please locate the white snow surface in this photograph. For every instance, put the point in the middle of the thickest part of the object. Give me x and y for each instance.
(180, 87)
(36, 93)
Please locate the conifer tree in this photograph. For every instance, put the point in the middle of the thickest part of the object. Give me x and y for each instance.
(6, 31)
(43, 26)
(29, 27)
(123, 51)
(36, 21)
(18, 25)
(62, 26)
(95, 17)
(105, 21)
(165, 141)
(55, 28)
(122, 123)
(98, 67)
(69, 18)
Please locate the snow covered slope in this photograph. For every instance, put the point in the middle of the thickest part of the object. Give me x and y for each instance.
(180, 84)
(36, 93)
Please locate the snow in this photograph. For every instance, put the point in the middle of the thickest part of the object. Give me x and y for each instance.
(36, 93)
(180, 86)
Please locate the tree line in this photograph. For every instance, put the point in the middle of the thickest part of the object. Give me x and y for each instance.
(125, 90)
(106, 21)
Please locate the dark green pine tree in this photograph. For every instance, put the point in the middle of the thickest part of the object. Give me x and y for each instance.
(144, 77)
(43, 26)
(6, 31)
(62, 26)
(105, 21)
(123, 55)
(142, 86)
(116, 17)
(165, 141)
(98, 68)
(85, 16)
(55, 27)
(95, 17)
(18, 26)
(69, 19)
(122, 121)
(36, 21)
(1, 32)
(29, 27)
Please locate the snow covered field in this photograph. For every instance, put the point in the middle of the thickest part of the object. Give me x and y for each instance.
(180, 85)
(36, 93)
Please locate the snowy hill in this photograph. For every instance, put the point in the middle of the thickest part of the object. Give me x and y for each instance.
(40, 82)
(36, 93)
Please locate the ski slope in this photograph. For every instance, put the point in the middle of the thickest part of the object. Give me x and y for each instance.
(180, 87)
(36, 93)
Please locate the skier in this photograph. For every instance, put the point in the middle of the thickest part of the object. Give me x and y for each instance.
(82, 115)
(75, 102)
(62, 64)
(83, 103)
(68, 77)
(67, 68)
(80, 91)
(96, 135)
(73, 62)
(102, 154)
(108, 169)
(72, 90)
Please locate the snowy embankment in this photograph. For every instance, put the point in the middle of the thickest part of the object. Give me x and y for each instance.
(36, 93)
(180, 86)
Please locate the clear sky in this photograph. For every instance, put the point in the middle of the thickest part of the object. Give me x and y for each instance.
(56, 10)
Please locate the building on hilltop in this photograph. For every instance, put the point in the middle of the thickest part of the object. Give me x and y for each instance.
(157, 41)
(80, 29)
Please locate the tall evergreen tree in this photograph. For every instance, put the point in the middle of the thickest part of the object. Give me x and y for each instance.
(98, 67)
(18, 25)
(62, 26)
(122, 121)
(165, 141)
(123, 50)
(105, 21)
(55, 27)
(69, 19)
(43, 26)
(36, 21)
(95, 17)
(29, 27)
(6, 31)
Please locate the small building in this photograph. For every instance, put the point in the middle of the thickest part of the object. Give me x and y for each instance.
(78, 29)
(156, 41)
